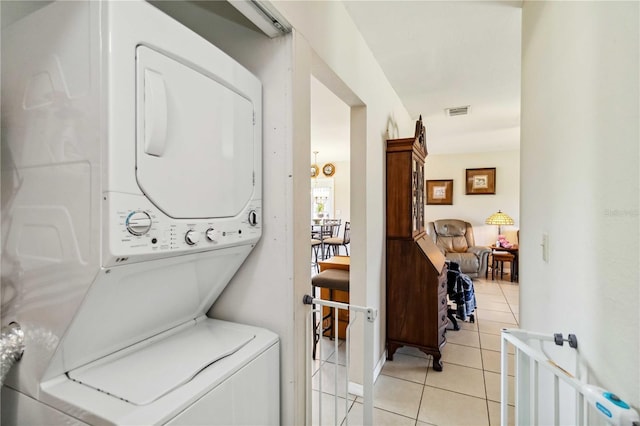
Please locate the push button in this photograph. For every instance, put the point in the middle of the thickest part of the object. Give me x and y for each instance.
(616, 400)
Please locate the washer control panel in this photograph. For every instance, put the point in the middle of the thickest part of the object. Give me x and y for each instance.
(140, 231)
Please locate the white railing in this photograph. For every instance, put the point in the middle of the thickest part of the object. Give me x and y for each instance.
(314, 325)
(530, 364)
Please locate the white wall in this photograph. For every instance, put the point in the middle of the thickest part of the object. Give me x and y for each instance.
(10, 12)
(475, 209)
(580, 182)
(342, 188)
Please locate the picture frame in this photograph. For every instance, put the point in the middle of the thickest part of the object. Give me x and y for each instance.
(439, 192)
(481, 181)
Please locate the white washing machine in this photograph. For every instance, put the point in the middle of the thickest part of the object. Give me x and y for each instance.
(131, 194)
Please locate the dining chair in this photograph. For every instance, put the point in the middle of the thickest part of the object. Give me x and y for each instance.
(330, 229)
(316, 245)
(333, 244)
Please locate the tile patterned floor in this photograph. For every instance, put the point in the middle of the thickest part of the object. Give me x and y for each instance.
(409, 392)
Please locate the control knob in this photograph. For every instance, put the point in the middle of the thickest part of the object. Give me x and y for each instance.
(212, 235)
(253, 218)
(138, 223)
(191, 237)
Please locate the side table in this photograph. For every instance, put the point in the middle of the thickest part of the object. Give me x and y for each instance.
(514, 265)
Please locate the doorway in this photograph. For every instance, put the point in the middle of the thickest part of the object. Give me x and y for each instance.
(330, 163)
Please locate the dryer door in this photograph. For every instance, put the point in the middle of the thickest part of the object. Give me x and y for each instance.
(195, 139)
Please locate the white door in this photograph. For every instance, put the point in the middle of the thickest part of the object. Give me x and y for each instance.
(195, 141)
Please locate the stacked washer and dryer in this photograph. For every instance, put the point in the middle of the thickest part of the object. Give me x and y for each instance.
(131, 194)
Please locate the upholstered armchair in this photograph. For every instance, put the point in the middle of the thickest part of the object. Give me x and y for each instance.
(455, 239)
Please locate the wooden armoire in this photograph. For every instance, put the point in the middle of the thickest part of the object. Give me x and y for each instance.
(416, 270)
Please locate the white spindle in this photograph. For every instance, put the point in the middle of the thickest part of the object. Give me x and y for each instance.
(354, 312)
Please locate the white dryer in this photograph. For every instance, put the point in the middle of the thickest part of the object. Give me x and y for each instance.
(131, 195)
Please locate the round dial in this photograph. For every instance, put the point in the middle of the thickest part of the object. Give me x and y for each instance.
(191, 237)
(253, 218)
(138, 223)
(212, 235)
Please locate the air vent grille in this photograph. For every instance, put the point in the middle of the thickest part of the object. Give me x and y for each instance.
(462, 110)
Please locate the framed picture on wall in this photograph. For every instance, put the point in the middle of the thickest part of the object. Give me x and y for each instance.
(440, 192)
(481, 181)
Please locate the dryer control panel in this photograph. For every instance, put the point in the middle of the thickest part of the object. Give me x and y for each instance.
(139, 231)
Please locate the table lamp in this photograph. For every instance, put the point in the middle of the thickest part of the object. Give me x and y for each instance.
(499, 219)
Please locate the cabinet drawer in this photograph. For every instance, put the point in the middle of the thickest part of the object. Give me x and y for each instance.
(442, 332)
(442, 285)
(443, 302)
(443, 310)
(443, 320)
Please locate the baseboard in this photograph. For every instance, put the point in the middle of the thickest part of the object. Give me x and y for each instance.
(378, 369)
(356, 388)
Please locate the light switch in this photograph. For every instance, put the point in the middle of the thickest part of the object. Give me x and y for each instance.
(545, 247)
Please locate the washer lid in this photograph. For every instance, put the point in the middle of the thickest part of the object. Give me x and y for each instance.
(195, 139)
(141, 376)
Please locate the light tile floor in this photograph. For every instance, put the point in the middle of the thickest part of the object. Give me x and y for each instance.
(409, 392)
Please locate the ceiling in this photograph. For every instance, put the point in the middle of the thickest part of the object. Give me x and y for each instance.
(437, 55)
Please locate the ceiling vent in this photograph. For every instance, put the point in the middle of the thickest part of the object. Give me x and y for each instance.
(452, 112)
